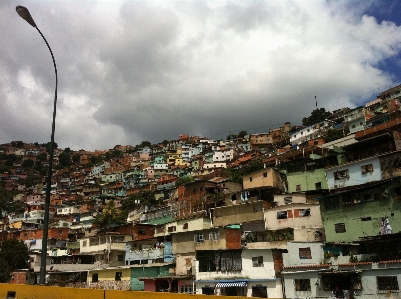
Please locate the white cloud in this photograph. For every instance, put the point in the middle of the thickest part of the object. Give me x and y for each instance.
(152, 70)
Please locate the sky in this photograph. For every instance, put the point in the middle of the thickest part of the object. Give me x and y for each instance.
(133, 71)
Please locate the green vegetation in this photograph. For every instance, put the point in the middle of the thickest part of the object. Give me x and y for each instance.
(13, 255)
(316, 116)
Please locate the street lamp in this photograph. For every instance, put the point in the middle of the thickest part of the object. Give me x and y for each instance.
(24, 13)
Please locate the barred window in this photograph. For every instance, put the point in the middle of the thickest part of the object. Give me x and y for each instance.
(339, 228)
(302, 284)
(231, 261)
(305, 253)
(387, 283)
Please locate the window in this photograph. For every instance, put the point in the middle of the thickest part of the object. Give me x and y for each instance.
(199, 238)
(297, 187)
(341, 174)
(95, 277)
(304, 212)
(84, 243)
(118, 276)
(339, 228)
(120, 257)
(305, 253)
(302, 285)
(142, 231)
(282, 215)
(287, 200)
(194, 190)
(214, 236)
(185, 225)
(366, 168)
(257, 207)
(265, 174)
(171, 229)
(387, 283)
(257, 261)
(318, 185)
(250, 179)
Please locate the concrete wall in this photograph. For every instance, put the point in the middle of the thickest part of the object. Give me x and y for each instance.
(237, 214)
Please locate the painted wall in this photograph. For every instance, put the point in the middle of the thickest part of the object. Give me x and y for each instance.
(306, 180)
(362, 218)
(264, 177)
(355, 174)
(303, 226)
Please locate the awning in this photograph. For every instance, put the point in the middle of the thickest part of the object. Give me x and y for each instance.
(231, 284)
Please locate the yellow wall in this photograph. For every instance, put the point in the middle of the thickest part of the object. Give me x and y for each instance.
(17, 224)
(46, 292)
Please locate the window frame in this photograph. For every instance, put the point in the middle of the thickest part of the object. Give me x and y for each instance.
(305, 253)
(199, 238)
(340, 228)
(383, 287)
(257, 261)
(302, 285)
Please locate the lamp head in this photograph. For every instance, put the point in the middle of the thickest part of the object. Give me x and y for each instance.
(24, 13)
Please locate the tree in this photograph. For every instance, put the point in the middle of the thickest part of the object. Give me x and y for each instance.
(76, 158)
(13, 255)
(4, 168)
(10, 159)
(110, 214)
(141, 198)
(64, 159)
(30, 180)
(242, 134)
(17, 144)
(28, 163)
(182, 181)
(145, 143)
(47, 145)
(5, 198)
(332, 135)
(42, 157)
(316, 116)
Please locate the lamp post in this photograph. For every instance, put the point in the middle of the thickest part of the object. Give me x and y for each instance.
(24, 13)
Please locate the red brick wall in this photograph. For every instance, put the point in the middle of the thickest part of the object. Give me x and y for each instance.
(149, 232)
(233, 239)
